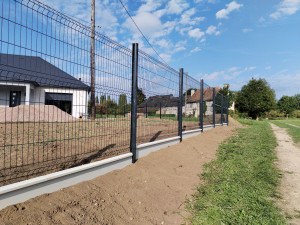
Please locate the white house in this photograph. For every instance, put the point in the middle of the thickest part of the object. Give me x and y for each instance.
(30, 80)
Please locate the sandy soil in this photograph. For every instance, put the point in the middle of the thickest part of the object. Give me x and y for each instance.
(289, 163)
(26, 113)
(151, 191)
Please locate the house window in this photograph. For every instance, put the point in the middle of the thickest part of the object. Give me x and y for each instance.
(60, 100)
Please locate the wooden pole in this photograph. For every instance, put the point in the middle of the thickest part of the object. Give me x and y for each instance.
(93, 60)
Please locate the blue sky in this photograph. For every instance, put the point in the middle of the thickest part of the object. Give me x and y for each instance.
(219, 41)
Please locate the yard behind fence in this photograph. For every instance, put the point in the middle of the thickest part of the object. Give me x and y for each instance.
(45, 123)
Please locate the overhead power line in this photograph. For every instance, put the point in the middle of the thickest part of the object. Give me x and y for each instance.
(142, 32)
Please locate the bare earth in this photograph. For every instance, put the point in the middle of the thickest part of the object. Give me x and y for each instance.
(151, 191)
(289, 163)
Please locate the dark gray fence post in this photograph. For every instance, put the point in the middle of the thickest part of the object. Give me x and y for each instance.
(227, 111)
(146, 111)
(180, 104)
(201, 104)
(134, 101)
(222, 109)
(160, 110)
(214, 107)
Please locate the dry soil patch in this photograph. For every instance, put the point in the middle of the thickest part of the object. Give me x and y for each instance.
(289, 163)
(151, 191)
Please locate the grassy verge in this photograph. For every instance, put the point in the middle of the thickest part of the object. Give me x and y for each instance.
(294, 132)
(240, 184)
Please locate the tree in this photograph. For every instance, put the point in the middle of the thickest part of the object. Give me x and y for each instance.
(97, 99)
(228, 94)
(141, 97)
(122, 100)
(298, 99)
(287, 104)
(256, 98)
(103, 99)
(189, 92)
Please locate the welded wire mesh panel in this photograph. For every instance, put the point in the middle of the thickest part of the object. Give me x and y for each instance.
(207, 105)
(219, 108)
(45, 114)
(191, 103)
(158, 100)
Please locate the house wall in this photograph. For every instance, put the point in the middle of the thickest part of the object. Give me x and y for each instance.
(7, 87)
(79, 101)
(190, 109)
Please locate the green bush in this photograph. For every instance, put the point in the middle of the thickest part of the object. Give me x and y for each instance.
(163, 115)
(295, 114)
(152, 112)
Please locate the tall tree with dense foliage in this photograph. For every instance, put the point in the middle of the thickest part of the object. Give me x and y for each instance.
(287, 104)
(103, 99)
(256, 98)
(298, 99)
(225, 91)
(141, 97)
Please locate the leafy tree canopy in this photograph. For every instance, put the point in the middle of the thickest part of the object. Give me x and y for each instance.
(287, 104)
(255, 98)
(141, 97)
(231, 95)
(298, 99)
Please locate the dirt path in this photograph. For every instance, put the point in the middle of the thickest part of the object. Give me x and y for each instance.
(151, 191)
(289, 163)
(293, 125)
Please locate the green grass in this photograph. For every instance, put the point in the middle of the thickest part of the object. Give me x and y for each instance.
(294, 132)
(240, 185)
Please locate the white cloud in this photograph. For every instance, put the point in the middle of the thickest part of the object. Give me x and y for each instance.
(246, 30)
(212, 76)
(261, 19)
(165, 57)
(186, 17)
(223, 13)
(196, 33)
(148, 23)
(285, 83)
(268, 67)
(197, 49)
(250, 68)
(211, 30)
(232, 69)
(286, 7)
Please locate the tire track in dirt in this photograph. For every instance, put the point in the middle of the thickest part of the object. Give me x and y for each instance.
(289, 164)
(293, 125)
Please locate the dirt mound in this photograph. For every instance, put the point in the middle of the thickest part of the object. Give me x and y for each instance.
(31, 113)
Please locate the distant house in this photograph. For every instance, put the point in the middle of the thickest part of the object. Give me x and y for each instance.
(30, 80)
(168, 103)
(193, 103)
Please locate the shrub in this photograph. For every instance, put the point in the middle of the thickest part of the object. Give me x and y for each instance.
(295, 114)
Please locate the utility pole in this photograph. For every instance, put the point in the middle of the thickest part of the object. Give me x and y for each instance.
(93, 60)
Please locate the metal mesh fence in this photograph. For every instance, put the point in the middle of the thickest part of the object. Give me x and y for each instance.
(220, 108)
(191, 103)
(158, 100)
(45, 90)
(207, 105)
(47, 118)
